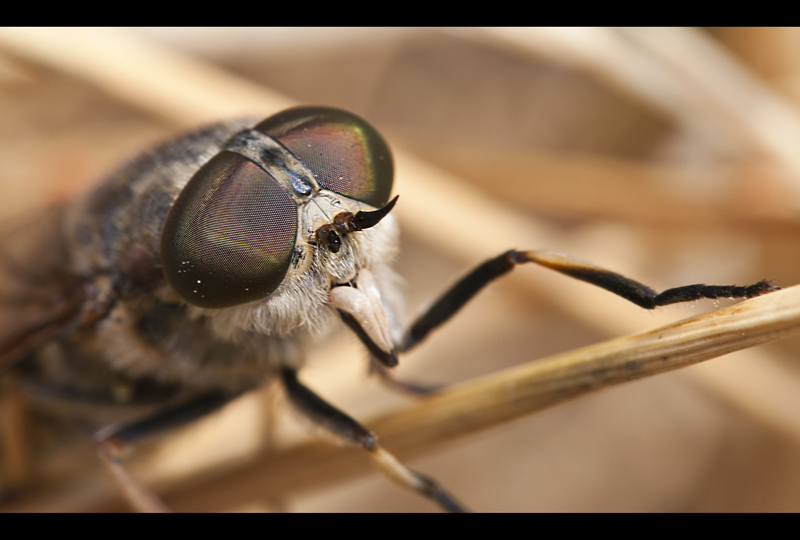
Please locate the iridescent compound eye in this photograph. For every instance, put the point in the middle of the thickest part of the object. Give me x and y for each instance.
(228, 239)
(345, 154)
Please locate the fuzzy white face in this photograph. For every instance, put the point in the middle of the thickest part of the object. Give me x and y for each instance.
(301, 305)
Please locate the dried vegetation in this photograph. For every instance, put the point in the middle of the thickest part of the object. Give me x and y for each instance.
(669, 155)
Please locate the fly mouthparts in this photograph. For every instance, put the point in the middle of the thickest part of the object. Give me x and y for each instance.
(386, 358)
(361, 309)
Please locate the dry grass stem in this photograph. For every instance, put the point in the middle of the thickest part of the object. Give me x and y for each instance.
(681, 72)
(770, 122)
(633, 191)
(145, 75)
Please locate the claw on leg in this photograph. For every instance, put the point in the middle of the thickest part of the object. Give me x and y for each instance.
(344, 427)
(424, 485)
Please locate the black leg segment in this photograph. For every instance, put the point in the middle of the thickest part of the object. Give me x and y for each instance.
(409, 387)
(631, 290)
(340, 424)
(388, 359)
(458, 295)
(114, 442)
(324, 414)
(178, 416)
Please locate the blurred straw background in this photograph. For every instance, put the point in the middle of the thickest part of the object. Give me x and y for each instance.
(670, 155)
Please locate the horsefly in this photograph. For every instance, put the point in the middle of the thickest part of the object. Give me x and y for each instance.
(202, 268)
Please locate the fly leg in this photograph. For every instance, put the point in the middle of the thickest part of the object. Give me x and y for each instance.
(344, 427)
(402, 385)
(361, 309)
(641, 295)
(113, 444)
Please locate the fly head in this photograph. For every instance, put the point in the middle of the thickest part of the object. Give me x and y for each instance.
(287, 210)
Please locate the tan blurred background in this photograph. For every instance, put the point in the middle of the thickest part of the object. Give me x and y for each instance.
(672, 155)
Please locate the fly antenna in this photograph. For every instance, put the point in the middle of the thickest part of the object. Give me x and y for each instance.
(364, 220)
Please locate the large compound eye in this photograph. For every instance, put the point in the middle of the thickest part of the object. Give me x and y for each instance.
(228, 239)
(344, 152)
